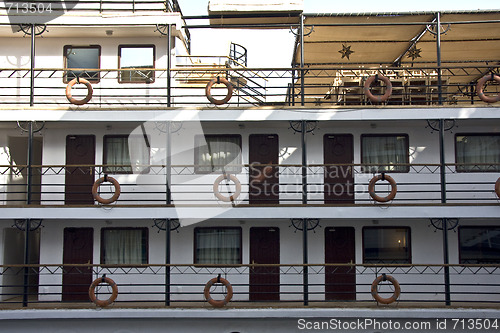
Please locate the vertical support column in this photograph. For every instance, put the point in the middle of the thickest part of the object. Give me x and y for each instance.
(32, 68)
(26, 262)
(438, 49)
(302, 84)
(444, 220)
(169, 64)
(305, 260)
(169, 162)
(168, 231)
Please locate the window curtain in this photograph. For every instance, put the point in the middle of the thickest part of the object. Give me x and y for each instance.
(220, 153)
(474, 150)
(117, 154)
(218, 246)
(124, 246)
(386, 152)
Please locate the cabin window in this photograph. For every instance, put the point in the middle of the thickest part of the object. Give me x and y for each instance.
(477, 152)
(388, 245)
(479, 245)
(127, 246)
(385, 153)
(218, 153)
(217, 246)
(136, 63)
(85, 58)
(126, 154)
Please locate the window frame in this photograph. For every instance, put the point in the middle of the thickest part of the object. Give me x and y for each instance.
(369, 169)
(145, 236)
(94, 80)
(153, 78)
(198, 168)
(477, 261)
(384, 261)
(461, 169)
(105, 157)
(195, 245)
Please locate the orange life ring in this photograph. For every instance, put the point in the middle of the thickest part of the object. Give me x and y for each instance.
(221, 303)
(395, 294)
(371, 188)
(497, 187)
(79, 101)
(480, 88)
(230, 198)
(378, 98)
(111, 299)
(96, 185)
(229, 94)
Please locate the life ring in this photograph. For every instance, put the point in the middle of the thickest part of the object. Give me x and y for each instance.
(497, 187)
(395, 294)
(111, 299)
(215, 303)
(230, 198)
(96, 185)
(371, 188)
(79, 101)
(480, 88)
(229, 94)
(378, 98)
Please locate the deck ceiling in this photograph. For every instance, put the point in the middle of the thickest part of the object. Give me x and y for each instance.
(382, 39)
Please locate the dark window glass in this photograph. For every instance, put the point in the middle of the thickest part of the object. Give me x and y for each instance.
(479, 245)
(139, 60)
(82, 57)
(477, 152)
(386, 245)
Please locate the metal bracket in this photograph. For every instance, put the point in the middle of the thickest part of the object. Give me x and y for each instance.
(162, 29)
(34, 224)
(161, 224)
(39, 29)
(451, 224)
(175, 126)
(312, 224)
(449, 124)
(296, 126)
(36, 126)
(432, 29)
(311, 30)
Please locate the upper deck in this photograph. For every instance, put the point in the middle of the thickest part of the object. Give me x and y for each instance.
(338, 62)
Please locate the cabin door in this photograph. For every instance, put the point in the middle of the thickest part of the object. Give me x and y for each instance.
(80, 150)
(78, 249)
(264, 179)
(264, 249)
(340, 282)
(338, 179)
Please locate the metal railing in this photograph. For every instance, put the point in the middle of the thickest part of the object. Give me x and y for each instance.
(55, 6)
(421, 184)
(329, 87)
(146, 285)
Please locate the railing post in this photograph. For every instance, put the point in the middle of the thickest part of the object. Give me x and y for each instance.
(444, 220)
(169, 64)
(438, 57)
(168, 231)
(304, 221)
(302, 82)
(32, 65)
(26, 280)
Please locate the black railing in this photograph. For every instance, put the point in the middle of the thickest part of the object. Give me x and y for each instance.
(325, 185)
(328, 283)
(327, 87)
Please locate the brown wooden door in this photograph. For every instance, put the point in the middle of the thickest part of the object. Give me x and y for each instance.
(338, 178)
(80, 150)
(78, 249)
(340, 282)
(264, 178)
(264, 249)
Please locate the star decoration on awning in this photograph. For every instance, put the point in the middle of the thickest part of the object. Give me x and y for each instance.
(346, 51)
(414, 53)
